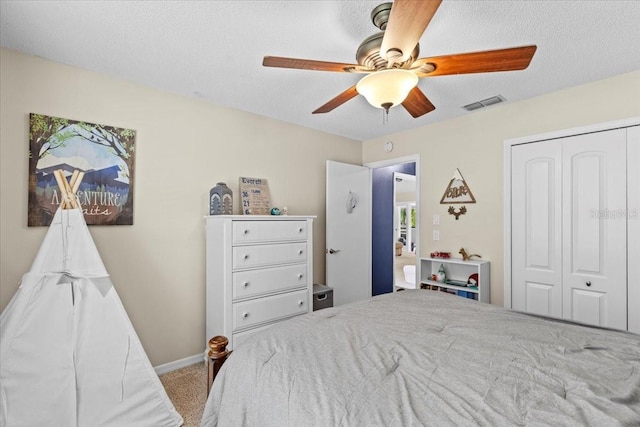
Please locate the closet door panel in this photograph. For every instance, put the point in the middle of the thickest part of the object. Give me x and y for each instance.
(594, 231)
(589, 307)
(536, 229)
(633, 222)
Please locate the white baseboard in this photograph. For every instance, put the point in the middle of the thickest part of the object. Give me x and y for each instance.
(177, 364)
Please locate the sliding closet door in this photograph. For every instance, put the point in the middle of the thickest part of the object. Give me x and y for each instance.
(536, 228)
(595, 228)
(633, 224)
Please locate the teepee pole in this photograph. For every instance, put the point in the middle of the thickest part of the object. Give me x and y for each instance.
(75, 183)
(62, 187)
(68, 190)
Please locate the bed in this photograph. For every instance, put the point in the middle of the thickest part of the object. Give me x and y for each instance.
(421, 357)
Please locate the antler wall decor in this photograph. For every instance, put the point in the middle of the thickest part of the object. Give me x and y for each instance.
(452, 211)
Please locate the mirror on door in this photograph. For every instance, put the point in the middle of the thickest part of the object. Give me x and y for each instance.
(405, 236)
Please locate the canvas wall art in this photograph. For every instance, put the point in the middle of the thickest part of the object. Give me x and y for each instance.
(106, 155)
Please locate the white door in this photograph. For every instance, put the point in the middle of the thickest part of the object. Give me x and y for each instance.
(536, 232)
(595, 228)
(569, 228)
(348, 232)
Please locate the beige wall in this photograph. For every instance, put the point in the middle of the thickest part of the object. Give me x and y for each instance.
(474, 144)
(184, 146)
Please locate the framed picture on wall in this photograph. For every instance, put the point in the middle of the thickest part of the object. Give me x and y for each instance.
(106, 155)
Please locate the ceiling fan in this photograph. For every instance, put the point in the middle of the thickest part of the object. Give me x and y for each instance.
(390, 60)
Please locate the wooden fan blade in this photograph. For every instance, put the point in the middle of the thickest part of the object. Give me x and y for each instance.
(407, 21)
(310, 64)
(417, 103)
(338, 100)
(511, 59)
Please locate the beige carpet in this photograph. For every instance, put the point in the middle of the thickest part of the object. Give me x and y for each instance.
(187, 389)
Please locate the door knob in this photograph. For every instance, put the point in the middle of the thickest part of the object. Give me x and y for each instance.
(334, 251)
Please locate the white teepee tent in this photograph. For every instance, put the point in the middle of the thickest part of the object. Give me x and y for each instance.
(69, 355)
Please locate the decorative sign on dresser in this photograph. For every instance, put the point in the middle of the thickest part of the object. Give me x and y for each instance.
(258, 272)
(255, 197)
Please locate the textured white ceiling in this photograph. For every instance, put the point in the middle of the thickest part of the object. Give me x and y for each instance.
(213, 50)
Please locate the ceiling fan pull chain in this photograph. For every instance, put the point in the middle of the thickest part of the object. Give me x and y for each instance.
(385, 112)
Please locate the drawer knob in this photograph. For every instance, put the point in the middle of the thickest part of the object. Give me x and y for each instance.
(246, 256)
(300, 276)
(588, 283)
(300, 303)
(245, 231)
(300, 230)
(245, 315)
(245, 284)
(300, 252)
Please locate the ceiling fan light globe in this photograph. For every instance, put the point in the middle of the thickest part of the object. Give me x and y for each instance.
(386, 87)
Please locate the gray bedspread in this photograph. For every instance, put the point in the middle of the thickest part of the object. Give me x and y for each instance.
(427, 358)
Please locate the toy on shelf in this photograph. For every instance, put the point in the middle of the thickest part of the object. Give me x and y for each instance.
(473, 280)
(465, 256)
(440, 254)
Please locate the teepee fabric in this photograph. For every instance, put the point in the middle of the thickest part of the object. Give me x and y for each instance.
(69, 355)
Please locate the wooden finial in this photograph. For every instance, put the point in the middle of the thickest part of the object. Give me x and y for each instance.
(218, 353)
(218, 347)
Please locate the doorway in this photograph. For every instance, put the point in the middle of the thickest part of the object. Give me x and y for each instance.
(384, 235)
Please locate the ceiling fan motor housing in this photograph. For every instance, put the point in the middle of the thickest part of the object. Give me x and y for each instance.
(368, 53)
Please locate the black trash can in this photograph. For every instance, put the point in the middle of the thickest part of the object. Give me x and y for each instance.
(322, 297)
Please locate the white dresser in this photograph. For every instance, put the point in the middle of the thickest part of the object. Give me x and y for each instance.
(258, 271)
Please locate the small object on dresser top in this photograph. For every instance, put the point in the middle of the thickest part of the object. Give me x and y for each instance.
(275, 211)
(220, 200)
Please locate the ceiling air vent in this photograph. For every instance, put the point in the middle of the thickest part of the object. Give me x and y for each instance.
(484, 103)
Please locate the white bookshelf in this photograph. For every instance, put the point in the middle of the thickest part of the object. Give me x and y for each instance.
(457, 273)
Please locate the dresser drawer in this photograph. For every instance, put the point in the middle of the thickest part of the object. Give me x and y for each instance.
(254, 312)
(268, 231)
(256, 282)
(265, 255)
